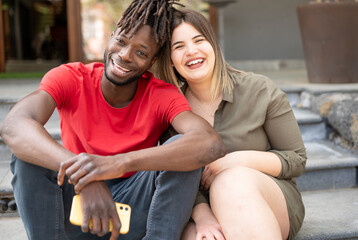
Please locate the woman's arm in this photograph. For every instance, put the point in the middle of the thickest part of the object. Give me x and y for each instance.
(286, 157)
(266, 162)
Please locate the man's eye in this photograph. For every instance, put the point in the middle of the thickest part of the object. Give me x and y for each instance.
(120, 41)
(142, 54)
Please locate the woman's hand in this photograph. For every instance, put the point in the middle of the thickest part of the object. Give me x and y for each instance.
(209, 229)
(211, 171)
(86, 168)
(206, 225)
(266, 162)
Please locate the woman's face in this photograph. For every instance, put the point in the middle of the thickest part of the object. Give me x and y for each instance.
(192, 55)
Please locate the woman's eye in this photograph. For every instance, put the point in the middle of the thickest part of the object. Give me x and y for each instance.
(178, 46)
(199, 40)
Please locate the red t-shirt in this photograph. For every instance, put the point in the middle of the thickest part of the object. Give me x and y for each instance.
(89, 124)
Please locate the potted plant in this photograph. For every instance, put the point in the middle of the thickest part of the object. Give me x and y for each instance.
(329, 32)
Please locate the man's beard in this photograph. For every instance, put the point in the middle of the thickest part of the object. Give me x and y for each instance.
(130, 80)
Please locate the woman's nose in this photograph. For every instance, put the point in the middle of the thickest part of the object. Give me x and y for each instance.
(191, 49)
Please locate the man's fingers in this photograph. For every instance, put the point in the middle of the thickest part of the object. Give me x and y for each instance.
(96, 225)
(105, 227)
(77, 175)
(83, 182)
(116, 227)
(85, 222)
(63, 167)
(62, 172)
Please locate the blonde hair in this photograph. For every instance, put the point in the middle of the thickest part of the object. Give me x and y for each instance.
(223, 73)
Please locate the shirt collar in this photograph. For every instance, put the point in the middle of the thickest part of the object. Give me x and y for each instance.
(227, 96)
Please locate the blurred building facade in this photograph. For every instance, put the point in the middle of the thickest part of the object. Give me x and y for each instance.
(59, 31)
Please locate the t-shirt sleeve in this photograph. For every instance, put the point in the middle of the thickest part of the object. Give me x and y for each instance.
(60, 84)
(171, 102)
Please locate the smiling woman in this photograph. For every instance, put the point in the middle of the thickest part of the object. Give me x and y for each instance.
(254, 184)
(192, 54)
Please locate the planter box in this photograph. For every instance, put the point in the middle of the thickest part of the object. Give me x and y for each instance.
(330, 41)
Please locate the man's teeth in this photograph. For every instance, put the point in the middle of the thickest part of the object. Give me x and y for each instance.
(120, 68)
(195, 61)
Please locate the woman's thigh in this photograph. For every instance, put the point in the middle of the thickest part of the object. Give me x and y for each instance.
(240, 195)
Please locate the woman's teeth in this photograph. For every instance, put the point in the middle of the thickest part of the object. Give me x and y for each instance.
(195, 62)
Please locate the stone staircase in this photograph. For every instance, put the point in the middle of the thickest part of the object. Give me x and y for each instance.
(328, 186)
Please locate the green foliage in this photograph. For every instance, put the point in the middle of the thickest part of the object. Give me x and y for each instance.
(8, 75)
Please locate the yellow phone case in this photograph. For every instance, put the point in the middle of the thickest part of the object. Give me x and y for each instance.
(123, 210)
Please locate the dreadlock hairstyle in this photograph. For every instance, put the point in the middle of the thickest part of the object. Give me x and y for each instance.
(155, 13)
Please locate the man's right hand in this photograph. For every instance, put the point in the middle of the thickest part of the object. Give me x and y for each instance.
(98, 205)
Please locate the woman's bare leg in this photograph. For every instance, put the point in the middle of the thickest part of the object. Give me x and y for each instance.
(249, 205)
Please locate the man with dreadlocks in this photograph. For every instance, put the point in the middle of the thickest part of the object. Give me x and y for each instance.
(112, 116)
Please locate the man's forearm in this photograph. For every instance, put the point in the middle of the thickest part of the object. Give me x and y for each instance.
(29, 141)
(190, 151)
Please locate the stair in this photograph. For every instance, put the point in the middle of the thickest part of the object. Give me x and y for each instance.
(330, 215)
(6, 103)
(329, 184)
(328, 187)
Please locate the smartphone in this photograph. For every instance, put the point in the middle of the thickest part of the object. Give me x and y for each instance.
(123, 210)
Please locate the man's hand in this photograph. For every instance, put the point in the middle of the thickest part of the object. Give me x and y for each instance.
(86, 168)
(98, 205)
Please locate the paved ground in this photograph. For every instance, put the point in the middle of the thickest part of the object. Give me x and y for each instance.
(11, 228)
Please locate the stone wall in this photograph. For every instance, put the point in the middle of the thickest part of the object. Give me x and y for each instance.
(340, 111)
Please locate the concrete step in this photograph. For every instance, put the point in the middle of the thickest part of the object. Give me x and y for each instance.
(328, 167)
(312, 125)
(5, 158)
(52, 126)
(330, 215)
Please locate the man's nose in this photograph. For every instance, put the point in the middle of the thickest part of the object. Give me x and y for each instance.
(125, 54)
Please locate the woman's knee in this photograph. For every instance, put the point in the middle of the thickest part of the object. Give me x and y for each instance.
(234, 179)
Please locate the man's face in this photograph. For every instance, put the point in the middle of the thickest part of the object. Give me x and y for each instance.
(127, 58)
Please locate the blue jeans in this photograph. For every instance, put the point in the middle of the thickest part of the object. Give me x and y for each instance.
(161, 202)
